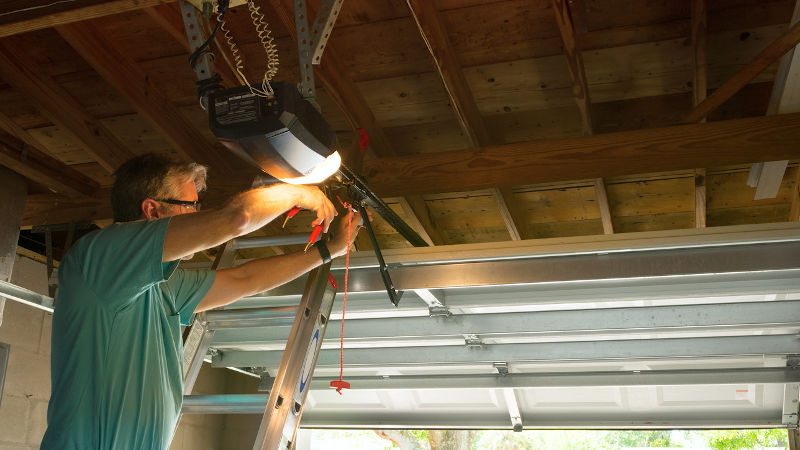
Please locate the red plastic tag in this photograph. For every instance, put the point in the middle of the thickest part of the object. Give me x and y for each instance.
(333, 282)
(363, 140)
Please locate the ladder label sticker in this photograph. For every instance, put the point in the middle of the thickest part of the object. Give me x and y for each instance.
(308, 364)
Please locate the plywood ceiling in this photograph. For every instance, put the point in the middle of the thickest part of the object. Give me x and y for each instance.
(489, 120)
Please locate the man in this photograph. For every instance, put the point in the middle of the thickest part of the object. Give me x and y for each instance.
(116, 363)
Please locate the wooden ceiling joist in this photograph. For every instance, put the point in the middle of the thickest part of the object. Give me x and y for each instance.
(25, 76)
(455, 84)
(699, 89)
(680, 147)
(764, 59)
(785, 98)
(136, 87)
(34, 164)
(25, 21)
(580, 88)
(435, 36)
(169, 19)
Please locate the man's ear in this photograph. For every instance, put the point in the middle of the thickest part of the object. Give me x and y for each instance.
(150, 209)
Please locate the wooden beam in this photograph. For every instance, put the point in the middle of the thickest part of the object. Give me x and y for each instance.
(700, 198)
(605, 208)
(767, 56)
(699, 90)
(24, 75)
(580, 87)
(785, 98)
(135, 86)
(455, 84)
(577, 9)
(25, 21)
(48, 209)
(444, 59)
(169, 19)
(415, 222)
(699, 44)
(419, 209)
(501, 197)
(794, 212)
(679, 147)
(34, 164)
(342, 90)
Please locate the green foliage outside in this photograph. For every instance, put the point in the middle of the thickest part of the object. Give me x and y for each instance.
(735, 439)
(561, 439)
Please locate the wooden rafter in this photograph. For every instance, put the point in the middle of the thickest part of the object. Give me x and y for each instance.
(455, 84)
(24, 75)
(794, 212)
(169, 19)
(435, 36)
(45, 209)
(34, 164)
(785, 98)
(679, 147)
(580, 88)
(24, 22)
(416, 214)
(699, 88)
(341, 89)
(767, 56)
(135, 86)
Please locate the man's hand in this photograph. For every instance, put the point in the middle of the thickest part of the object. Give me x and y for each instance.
(311, 198)
(338, 245)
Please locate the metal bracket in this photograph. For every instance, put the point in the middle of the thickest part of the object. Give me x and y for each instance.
(439, 311)
(265, 383)
(791, 396)
(501, 367)
(513, 409)
(311, 44)
(359, 190)
(394, 295)
(472, 340)
(793, 361)
(194, 352)
(323, 26)
(204, 68)
(307, 88)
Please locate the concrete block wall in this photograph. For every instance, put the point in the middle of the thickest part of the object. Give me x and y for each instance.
(23, 408)
(202, 431)
(241, 429)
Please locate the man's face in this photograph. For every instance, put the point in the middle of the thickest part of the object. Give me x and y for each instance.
(188, 192)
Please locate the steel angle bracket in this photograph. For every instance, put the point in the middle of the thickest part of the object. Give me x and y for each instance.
(278, 429)
(311, 43)
(195, 36)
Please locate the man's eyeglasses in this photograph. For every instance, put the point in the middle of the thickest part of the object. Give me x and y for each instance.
(184, 203)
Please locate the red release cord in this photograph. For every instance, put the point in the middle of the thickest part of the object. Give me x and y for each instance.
(341, 384)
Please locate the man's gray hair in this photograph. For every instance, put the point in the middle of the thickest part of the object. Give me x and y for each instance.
(151, 176)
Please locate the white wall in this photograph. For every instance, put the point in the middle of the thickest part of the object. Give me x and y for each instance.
(23, 409)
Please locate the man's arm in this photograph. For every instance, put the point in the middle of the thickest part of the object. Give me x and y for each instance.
(247, 212)
(267, 273)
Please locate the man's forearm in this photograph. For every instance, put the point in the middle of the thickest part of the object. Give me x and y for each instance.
(257, 276)
(247, 212)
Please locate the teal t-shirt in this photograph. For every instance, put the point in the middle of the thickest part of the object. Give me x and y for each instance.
(117, 353)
